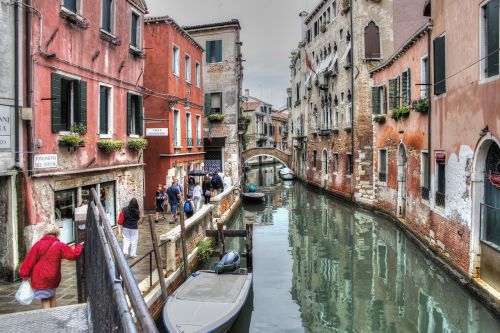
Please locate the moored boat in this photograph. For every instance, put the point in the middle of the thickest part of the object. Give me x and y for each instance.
(253, 197)
(287, 174)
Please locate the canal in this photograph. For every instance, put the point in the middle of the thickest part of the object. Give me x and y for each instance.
(322, 265)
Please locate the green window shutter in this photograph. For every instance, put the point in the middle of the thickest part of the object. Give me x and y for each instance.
(492, 37)
(392, 92)
(208, 102)
(375, 100)
(439, 65)
(218, 50)
(103, 110)
(404, 79)
(384, 99)
(55, 94)
(129, 113)
(408, 87)
(139, 117)
(208, 51)
(82, 108)
(398, 92)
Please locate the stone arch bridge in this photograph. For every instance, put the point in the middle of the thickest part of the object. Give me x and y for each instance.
(283, 156)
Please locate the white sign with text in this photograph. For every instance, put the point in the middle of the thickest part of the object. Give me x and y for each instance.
(156, 131)
(46, 161)
(5, 126)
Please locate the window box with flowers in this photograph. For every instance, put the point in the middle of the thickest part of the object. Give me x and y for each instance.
(137, 144)
(346, 5)
(109, 146)
(421, 105)
(380, 118)
(400, 113)
(73, 139)
(216, 117)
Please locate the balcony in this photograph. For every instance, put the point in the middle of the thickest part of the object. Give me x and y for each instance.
(189, 142)
(199, 143)
(324, 130)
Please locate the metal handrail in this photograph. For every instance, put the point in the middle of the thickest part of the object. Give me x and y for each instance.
(150, 255)
(141, 311)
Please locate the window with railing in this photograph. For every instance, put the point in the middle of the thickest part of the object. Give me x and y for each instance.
(189, 142)
(424, 175)
(382, 165)
(490, 225)
(199, 142)
(441, 183)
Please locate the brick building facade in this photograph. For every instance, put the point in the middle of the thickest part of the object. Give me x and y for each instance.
(174, 108)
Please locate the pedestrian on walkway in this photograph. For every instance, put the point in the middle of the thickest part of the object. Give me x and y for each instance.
(217, 183)
(160, 202)
(131, 217)
(207, 189)
(197, 194)
(174, 197)
(43, 265)
(188, 206)
(191, 186)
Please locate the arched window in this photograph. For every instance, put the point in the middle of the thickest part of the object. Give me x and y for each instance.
(372, 41)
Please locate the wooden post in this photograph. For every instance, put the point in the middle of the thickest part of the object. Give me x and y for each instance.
(183, 240)
(220, 239)
(249, 227)
(154, 238)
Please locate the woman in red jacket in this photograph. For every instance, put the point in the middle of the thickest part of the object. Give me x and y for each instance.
(43, 265)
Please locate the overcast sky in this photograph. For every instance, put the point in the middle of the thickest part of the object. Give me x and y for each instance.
(270, 29)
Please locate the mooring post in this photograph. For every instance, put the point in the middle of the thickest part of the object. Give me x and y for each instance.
(220, 238)
(248, 242)
(183, 240)
(154, 238)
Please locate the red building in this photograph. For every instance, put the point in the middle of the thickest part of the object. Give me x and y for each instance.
(84, 106)
(174, 109)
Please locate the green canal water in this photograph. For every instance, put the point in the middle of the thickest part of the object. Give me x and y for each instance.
(322, 265)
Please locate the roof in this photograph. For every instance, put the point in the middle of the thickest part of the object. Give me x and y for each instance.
(402, 50)
(315, 11)
(250, 106)
(141, 4)
(208, 26)
(168, 20)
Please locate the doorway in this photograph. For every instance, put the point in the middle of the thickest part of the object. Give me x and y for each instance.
(402, 169)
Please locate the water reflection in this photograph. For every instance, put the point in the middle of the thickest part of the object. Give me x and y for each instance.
(321, 265)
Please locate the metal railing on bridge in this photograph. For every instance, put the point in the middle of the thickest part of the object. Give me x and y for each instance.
(108, 279)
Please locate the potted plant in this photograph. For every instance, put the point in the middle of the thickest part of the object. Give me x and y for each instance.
(109, 146)
(380, 118)
(421, 105)
(323, 27)
(74, 137)
(216, 117)
(137, 144)
(346, 4)
(400, 113)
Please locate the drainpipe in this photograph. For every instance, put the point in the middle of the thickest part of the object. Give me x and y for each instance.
(16, 83)
(429, 113)
(28, 84)
(352, 101)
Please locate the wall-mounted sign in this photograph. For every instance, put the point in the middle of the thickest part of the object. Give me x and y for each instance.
(45, 161)
(156, 131)
(5, 127)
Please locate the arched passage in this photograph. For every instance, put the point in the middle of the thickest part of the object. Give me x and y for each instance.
(283, 157)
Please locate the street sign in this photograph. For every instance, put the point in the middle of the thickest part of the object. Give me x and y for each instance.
(5, 127)
(156, 131)
(45, 161)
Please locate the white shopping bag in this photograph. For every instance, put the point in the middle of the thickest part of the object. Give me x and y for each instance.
(25, 294)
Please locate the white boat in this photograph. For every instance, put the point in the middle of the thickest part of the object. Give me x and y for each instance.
(207, 302)
(287, 174)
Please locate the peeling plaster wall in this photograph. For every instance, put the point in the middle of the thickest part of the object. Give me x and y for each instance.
(458, 173)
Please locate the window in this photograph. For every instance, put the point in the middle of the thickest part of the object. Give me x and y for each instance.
(335, 162)
(406, 87)
(424, 175)
(441, 179)
(372, 41)
(315, 156)
(68, 103)
(135, 31)
(176, 60)
(134, 114)
(177, 128)
(382, 165)
(107, 21)
(440, 65)
(394, 91)
(379, 100)
(334, 9)
(189, 134)
(213, 51)
(64, 206)
(105, 110)
(213, 103)
(72, 5)
(187, 69)
(424, 74)
(198, 131)
(348, 167)
(490, 38)
(198, 74)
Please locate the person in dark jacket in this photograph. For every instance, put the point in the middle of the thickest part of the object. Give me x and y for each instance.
(43, 265)
(131, 217)
(206, 187)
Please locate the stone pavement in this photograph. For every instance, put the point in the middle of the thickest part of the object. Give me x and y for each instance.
(67, 293)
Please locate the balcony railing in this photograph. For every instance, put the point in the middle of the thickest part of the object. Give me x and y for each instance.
(440, 199)
(189, 142)
(177, 143)
(199, 142)
(490, 225)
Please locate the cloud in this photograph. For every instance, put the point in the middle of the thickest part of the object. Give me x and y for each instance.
(270, 30)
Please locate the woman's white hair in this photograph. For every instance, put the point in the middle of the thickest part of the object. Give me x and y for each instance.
(52, 229)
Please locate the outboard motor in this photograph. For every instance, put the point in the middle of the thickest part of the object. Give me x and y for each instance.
(229, 263)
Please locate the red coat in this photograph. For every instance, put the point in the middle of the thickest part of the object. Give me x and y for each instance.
(45, 269)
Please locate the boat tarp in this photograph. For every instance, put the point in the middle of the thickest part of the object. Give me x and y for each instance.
(213, 288)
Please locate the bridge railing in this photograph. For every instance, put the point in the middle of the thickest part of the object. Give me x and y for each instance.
(108, 279)
(277, 146)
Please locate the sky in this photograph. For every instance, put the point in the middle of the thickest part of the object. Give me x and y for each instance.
(270, 30)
